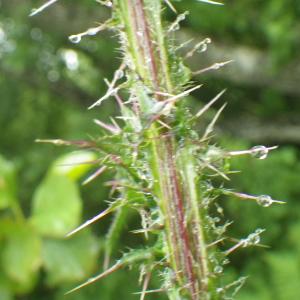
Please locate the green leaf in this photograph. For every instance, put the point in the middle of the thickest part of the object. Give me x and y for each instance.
(5, 288)
(71, 259)
(56, 206)
(7, 183)
(74, 164)
(285, 274)
(21, 256)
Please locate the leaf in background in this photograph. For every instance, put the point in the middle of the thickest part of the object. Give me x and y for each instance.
(285, 274)
(7, 183)
(56, 206)
(71, 259)
(5, 287)
(293, 237)
(74, 164)
(21, 256)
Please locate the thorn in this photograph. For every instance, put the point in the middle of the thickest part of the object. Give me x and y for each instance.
(59, 142)
(251, 197)
(203, 45)
(215, 242)
(218, 172)
(215, 66)
(209, 104)
(111, 90)
(152, 291)
(91, 221)
(211, 125)
(250, 151)
(90, 31)
(94, 175)
(163, 94)
(235, 247)
(164, 124)
(115, 124)
(98, 277)
(41, 8)
(171, 6)
(145, 285)
(110, 128)
(211, 2)
(183, 94)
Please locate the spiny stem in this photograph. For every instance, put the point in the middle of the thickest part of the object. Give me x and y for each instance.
(185, 247)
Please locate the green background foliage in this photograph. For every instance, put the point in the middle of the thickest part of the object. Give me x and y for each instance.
(46, 85)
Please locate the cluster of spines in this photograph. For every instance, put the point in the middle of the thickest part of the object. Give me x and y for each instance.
(163, 168)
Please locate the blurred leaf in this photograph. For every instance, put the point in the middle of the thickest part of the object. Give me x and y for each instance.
(285, 274)
(71, 259)
(293, 236)
(74, 164)
(7, 183)
(56, 206)
(5, 290)
(256, 287)
(21, 256)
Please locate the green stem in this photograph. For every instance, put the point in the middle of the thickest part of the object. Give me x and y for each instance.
(172, 167)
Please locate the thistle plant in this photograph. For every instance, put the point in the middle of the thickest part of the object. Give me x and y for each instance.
(165, 169)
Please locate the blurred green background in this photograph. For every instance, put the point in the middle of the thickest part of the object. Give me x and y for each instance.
(46, 85)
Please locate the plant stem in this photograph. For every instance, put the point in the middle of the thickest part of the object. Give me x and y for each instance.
(172, 165)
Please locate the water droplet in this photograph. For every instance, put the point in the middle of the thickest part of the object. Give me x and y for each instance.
(106, 3)
(260, 152)
(253, 238)
(264, 200)
(259, 231)
(119, 74)
(218, 269)
(181, 17)
(202, 47)
(175, 25)
(220, 210)
(75, 38)
(216, 219)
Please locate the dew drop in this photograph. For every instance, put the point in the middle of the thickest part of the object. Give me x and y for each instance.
(260, 152)
(253, 238)
(106, 3)
(75, 38)
(119, 74)
(264, 200)
(218, 269)
(202, 46)
(216, 219)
